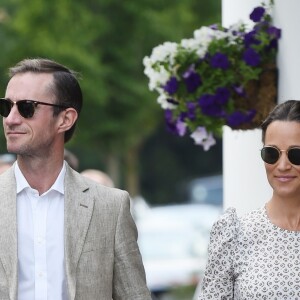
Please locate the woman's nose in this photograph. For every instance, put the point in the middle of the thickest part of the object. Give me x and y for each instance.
(283, 162)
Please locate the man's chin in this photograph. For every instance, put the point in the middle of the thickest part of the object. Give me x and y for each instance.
(14, 150)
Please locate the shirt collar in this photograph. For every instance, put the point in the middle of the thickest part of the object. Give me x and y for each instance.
(22, 183)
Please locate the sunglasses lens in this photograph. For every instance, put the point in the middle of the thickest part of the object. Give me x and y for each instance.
(270, 155)
(5, 107)
(294, 156)
(26, 108)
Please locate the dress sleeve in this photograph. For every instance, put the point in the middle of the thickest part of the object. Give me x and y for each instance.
(218, 279)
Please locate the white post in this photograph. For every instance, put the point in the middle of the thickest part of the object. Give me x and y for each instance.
(286, 17)
(245, 183)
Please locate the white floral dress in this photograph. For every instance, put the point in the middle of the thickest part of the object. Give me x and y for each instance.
(251, 258)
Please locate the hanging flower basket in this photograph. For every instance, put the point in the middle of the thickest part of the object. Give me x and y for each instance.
(259, 95)
(221, 76)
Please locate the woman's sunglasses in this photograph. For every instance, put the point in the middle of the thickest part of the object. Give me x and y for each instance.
(271, 155)
(26, 108)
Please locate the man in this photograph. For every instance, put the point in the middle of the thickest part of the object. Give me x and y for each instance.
(62, 236)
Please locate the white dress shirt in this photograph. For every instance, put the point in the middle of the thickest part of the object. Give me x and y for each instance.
(40, 218)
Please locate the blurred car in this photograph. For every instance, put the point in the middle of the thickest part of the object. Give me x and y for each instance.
(139, 207)
(205, 190)
(173, 242)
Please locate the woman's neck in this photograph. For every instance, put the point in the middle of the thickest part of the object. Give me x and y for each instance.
(284, 213)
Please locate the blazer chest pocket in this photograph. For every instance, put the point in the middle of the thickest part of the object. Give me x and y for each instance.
(93, 245)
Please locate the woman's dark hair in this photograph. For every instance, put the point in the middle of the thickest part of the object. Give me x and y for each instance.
(286, 111)
(66, 88)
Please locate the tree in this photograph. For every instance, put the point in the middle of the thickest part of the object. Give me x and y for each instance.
(106, 41)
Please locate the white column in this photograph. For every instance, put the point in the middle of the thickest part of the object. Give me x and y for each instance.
(286, 17)
(245, 183)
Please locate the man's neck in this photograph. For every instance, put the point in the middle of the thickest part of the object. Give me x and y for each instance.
(40, 174)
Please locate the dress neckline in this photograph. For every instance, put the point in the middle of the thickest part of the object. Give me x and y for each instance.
(265, 214)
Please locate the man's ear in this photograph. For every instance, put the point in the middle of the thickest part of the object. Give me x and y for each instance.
(67, 118)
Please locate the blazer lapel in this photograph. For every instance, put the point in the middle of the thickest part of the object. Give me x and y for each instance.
(8, 230)
(78, 211)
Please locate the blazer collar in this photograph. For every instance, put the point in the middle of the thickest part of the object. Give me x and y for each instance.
(78, 212)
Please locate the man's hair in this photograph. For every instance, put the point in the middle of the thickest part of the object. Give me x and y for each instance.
(286, 111)
(66, 88)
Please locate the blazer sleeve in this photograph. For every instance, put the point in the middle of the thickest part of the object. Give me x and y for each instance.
(218, 281)
(129, 280)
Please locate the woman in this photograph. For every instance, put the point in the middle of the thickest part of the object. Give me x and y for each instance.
(257, 256)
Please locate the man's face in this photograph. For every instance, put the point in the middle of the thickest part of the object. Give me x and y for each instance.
(35, 136)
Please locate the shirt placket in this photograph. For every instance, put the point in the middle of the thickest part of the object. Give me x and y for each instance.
(40, 206)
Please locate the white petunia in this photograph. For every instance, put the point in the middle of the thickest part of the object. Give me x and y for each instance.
(194, 45)
(199, 135)
(191, 44)
(157, 78)
(203, 138)
(162, 100)
(163, 52)
(210, 141)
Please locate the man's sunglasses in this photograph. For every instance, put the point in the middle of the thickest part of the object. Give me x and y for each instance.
(271, 155)
(26, 108)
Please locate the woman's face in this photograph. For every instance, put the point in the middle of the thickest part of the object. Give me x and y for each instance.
(283, 176)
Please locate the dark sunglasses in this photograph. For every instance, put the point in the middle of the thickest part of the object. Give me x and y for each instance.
(271, 155)
(26, 108)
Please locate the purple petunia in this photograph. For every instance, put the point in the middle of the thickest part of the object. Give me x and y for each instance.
(220, 60)
(168, 115)
(250, 115)
(181, 128)
(257, 14)
(170, 124)
(239, 90)
(237, 118)
(206, 100)
(272, 45)
(191, 112)
(214, 26)
(192, 80)
(251, 57)
(222, 95)
(171, 86)
(250, 39)
(275, 32)
(210, 106)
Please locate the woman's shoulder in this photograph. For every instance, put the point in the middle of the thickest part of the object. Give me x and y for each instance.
(254, 216)
(229, 224)
(225, 228)
(228, 218)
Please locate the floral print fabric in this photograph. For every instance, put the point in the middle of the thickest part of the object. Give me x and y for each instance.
(251, 258)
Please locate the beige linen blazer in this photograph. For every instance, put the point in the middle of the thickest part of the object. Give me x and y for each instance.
(102, 259)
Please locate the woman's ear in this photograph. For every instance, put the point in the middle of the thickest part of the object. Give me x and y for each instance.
(67, 118)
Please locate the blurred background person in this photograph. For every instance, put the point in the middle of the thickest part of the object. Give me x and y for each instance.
(98, 176)
(71, 159)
